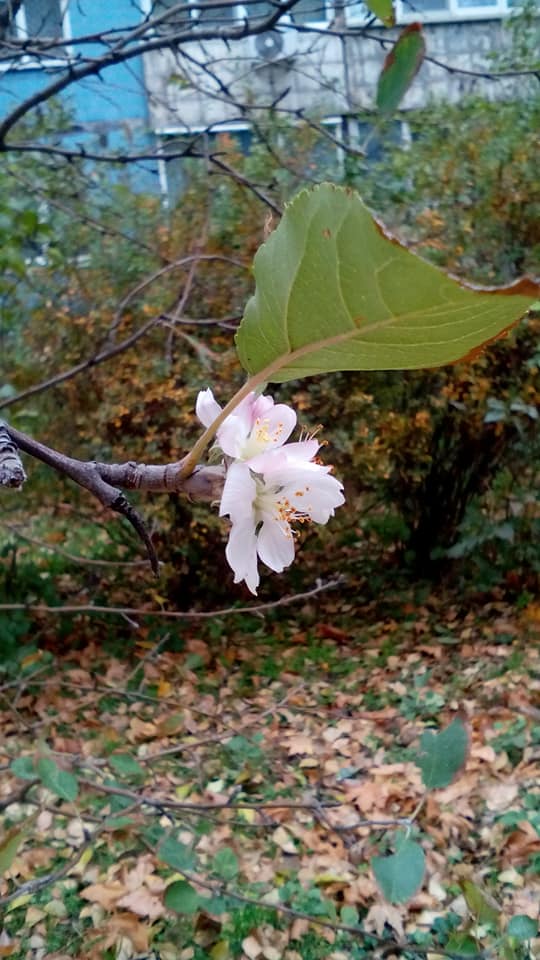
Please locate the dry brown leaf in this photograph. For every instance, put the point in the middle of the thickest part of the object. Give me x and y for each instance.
(483, 752)
(143, 903)
(499, 796)
(141, 730)
(106, 894)
(126, 925)
(380, 914)
(299, 744)
(366, 795)
(252, 947)
(521, 844)
(299, 928)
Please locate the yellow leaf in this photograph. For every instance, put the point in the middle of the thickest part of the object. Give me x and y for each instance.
(325, 878)
(19, 902)
(9, 846)
(220, 950)
(183, 790)
(32, 658)
(247, 815)
(83, 861)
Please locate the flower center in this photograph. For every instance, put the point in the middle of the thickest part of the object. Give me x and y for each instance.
(261, 437)
(271, 500)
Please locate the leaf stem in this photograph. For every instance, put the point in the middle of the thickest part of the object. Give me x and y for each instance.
(191, 460)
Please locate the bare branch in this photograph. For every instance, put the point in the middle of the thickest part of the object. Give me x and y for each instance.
(125, 49)
(253, 609)
(38, 883)
(100, 357)
(105, 480)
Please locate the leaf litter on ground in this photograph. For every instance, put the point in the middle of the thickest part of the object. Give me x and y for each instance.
(278, 769)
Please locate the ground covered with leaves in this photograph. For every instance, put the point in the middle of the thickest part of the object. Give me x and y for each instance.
(225, 791)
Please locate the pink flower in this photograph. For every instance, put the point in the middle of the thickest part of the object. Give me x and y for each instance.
(264, 497)
(256, 425)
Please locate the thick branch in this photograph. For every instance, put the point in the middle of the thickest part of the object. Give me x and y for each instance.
(105, 481)
(11, 469)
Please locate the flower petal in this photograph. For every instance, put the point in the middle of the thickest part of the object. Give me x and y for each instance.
(291, 456)
(232, 435)
(207, 408)
(275, 545)
(256, 425)
(310, 488)
(241, 553)
(317, 497)
(239, 492)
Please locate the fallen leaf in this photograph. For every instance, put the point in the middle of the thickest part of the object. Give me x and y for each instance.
(380, 914)
(143, 903)
(106, 894)
(252, 948)
(284, 840)
(499, 796)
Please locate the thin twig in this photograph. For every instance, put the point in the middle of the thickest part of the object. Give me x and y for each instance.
(38, 883)
(254, 609)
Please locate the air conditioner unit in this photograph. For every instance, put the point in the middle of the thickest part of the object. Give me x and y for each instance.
(272, 45)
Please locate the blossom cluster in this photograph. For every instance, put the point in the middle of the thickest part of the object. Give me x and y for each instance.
(269, 484)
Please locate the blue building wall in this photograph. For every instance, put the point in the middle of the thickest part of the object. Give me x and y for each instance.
(109, 112)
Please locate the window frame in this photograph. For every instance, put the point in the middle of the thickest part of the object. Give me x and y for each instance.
(454, 13)
(29, 62)
(164, 134)
(240, 12)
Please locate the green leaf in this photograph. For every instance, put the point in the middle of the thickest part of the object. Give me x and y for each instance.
(401, 874)
(176, 854)
(9, 845)
(482, 908)
(522, 927)
(118, 823)
(225, 864)
(463, 944)
(334, 292)
(126, 765)
(24, 768)
(384, 10)
(216, 905)
(400, 68)
(443, 755)
(349, 916)
(60, 782)
(182, 897)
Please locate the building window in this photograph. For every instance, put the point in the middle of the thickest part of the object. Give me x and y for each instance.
(39, 18)
(304, 11)
(213, 15)
(225, 138)
(174, 21)
(432, 11)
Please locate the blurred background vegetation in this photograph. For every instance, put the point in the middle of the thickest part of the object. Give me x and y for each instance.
(441, 467)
